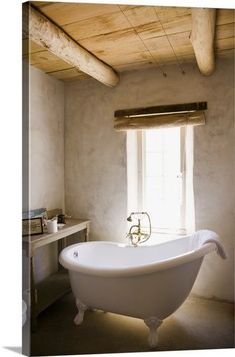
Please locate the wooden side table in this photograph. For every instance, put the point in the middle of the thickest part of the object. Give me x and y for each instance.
(46, 292)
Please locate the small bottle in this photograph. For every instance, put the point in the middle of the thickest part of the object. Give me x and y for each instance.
(61, 218)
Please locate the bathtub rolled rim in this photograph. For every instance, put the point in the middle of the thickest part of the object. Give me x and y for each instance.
(141, 269)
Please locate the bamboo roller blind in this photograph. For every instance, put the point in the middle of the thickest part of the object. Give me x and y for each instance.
(160, 117)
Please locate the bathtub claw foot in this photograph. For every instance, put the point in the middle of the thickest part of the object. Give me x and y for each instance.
(153, 323)
(81, 310)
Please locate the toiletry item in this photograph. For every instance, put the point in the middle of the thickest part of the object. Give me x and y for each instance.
(61, 218)
(52, 226)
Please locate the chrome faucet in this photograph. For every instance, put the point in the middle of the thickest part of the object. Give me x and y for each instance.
(135, 234)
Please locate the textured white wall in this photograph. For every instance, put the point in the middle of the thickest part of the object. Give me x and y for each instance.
(95, 156)
(95, 161)
(47, 140)
(46, 155)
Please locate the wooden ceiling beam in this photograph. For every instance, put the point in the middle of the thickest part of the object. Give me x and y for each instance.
(52, 38)
(202, 38)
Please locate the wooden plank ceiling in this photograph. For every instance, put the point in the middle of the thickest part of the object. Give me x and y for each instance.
(126, 37)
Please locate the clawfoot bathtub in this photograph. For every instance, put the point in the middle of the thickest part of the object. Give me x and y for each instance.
(147, 282)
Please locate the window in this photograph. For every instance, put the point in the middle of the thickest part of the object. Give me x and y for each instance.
(160, 177)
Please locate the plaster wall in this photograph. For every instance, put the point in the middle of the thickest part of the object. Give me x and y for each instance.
(95, 156)
(46, 155)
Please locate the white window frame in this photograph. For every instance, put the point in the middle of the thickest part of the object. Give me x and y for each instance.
(186, 154)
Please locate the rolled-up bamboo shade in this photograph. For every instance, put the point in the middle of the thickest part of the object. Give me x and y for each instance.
(159, 121)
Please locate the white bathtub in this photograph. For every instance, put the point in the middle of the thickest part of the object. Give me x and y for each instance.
(146, 282)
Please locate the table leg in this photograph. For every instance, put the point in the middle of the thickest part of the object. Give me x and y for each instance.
(62, 243)
(87, 232)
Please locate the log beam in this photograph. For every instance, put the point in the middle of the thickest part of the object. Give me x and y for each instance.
(202, 38)
(45, 33)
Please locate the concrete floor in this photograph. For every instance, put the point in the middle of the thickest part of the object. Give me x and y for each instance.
(197, 324)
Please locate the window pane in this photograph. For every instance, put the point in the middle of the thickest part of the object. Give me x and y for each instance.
(162, 182)
(154, 189)
(154, 142)
(153, 170)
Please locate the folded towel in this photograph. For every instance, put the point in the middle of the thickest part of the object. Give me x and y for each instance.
(206, 236)
(220, 250)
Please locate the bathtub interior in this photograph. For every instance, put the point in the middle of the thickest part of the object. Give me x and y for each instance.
(112, 255)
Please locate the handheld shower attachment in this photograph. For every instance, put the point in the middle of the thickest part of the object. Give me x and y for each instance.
(135, 234)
